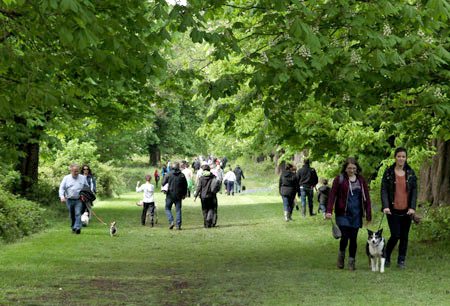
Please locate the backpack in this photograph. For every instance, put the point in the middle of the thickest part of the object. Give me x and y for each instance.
(214, 186)
(87, 195)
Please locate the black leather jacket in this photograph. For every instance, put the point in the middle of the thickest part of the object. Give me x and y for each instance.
(388, 187)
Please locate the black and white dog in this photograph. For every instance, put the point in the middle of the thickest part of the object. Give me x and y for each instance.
(376, 250)
(113, 229)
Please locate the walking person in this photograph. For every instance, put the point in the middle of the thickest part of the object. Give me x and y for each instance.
(69, 193)
(219, 176)
(230, 178)
(322, 196)
(307, 180)
(92, 186)
(349, 196)
(288, 188)
(239, 176)
(148, 200)
(176, 192)
(157, 177)
(207, 197)
(399, 196)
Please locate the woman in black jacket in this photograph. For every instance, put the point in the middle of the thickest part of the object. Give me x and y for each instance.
(288, 187)
(398, 196)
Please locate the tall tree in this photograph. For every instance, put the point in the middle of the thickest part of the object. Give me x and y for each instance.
(63, 61)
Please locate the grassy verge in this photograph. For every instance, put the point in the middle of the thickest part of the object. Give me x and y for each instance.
(252, 258)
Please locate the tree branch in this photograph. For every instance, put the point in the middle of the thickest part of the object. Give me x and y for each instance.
(10, 14)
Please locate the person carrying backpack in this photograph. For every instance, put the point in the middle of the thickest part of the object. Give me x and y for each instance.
(307, 180)
(207, 190)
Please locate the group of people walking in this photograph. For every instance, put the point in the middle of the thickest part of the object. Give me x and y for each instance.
(178, 181)
(302, 183)
(349, 199)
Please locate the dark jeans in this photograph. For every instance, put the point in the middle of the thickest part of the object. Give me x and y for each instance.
(209, 209)
(146, 207)
(288, 203)
(349, 233)
(168, 209)
(399, 224)
(230, 186)
(307, 193)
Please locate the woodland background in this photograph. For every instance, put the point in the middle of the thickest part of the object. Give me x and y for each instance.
(101, 82)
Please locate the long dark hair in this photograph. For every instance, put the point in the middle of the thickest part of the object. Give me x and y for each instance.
(89, 171)
(354, 161)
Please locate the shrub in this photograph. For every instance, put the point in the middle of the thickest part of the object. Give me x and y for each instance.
(435, 224)
(107, 179)
(18, 217)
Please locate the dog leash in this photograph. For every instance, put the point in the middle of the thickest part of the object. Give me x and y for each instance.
(98, 217)
(381, 221)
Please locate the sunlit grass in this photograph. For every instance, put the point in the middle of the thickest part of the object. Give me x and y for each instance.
(253, 257)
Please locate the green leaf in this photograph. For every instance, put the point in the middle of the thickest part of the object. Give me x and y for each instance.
(69, 4)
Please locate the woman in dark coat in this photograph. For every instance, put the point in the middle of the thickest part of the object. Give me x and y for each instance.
(207, 197)
(398, 196)
(288, 187)
(350, 199)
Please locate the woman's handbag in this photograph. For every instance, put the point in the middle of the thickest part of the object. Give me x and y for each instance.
(335, 230)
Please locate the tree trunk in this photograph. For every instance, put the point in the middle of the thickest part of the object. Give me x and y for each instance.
(279, 167)
(434, 186)
(154, 155)
(28, 163)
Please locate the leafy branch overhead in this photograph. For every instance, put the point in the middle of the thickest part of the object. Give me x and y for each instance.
(315, 66)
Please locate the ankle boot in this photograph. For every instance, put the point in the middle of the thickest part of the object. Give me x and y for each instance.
(341, 258)
(311, 211)
(351, 263)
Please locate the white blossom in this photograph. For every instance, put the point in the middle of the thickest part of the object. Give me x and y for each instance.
(346, 97)
(438, 93)
(355, 58)
(420, 33)
(289, 60)
(386, 30)
(304, 51)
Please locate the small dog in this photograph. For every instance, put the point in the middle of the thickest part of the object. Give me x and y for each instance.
(376, 250)
(113, 229)
(85, 218)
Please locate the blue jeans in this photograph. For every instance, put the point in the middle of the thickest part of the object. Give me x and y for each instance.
(169, 203)
(307, 192)
(238, 186)
(75, 207)
(288, 203)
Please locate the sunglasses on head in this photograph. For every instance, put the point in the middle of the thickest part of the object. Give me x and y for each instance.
(85, 168)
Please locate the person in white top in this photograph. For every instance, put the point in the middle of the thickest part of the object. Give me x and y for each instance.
(230, 178)
(148, 201)
(69, 193)
(188, 174)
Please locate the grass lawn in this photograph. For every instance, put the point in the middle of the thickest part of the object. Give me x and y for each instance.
(253, 257)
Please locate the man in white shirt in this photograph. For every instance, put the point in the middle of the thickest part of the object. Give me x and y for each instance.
(69, 193)
(230, 178)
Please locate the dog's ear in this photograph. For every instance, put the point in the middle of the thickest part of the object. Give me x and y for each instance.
(369, 232)
(380, 231)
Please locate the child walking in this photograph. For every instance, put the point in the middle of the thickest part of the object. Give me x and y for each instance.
(322, 196)
(148, 201)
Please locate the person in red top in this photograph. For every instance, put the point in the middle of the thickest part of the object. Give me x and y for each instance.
(399, 196)
(350, 198)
